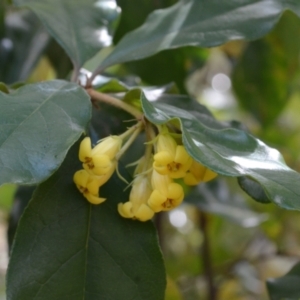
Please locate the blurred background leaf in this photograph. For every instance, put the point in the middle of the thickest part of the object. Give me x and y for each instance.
(265, 75)
(21, 47)
(215, 197)
(88, 25)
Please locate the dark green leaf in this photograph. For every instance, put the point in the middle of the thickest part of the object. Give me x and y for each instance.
(231, 152)
(172, 65)
(22, 46)
(254, 189)
(286, 287)
(38, 124)
(265, 74)
(216, 198)
(20, 201)
(134, 15)
(2, 17)
(66, 248)
(204, 23)
(59, 59)
(81, 26)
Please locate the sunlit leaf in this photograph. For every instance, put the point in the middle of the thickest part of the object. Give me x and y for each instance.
(140, 12)
(202, 23)
(66, 248)
(38, 124)
(231, 152)
(81, 26)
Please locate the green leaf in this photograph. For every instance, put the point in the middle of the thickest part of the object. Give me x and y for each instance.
(215, 197)
(66, 248)
(134, 15)
(58, 59)
(286, 287)
(80, 26)
(174, 66)
(253, 188)
(38, 124)
(231, 152)
(264, 76)
(2, 17)
(202, 23)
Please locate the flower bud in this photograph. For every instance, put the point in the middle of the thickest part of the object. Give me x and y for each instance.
(109, 146)
(136, 207)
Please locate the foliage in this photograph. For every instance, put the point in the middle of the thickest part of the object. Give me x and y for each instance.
(70, 245)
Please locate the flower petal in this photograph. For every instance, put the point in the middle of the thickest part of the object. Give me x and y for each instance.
(144, 213)
(81, 178)
(85, 149)
(94, 199)
(125, 209)
(156, 200)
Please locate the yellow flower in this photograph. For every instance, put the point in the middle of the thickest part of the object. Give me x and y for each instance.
(100, 159)
(171, 159)
(166, 194)
(88, 185)
(137, 207)
(198, 173)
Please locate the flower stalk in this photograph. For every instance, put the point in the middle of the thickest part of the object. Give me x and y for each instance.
(100, 97)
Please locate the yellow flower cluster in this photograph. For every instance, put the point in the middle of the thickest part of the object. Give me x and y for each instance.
(99, 164)
(154, 188)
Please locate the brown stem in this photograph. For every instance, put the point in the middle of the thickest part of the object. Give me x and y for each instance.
(97, 96)
(206, 257)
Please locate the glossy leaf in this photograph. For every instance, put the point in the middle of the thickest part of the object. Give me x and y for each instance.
(66, 248)
(264, 76)
(215, 197)
(202, 23)
(81, 26)
(286, 287)
(38, 124)
(140, 12)
(231, 152)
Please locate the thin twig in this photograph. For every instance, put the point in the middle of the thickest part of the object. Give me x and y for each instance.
(97, 96)
(206, 258)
